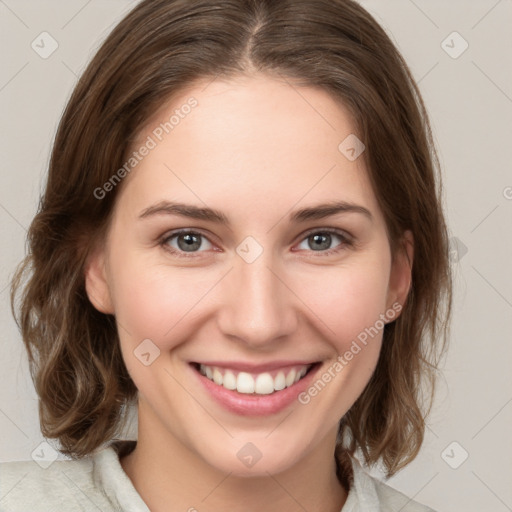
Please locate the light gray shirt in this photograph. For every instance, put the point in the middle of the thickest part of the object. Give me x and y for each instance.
(99, 483)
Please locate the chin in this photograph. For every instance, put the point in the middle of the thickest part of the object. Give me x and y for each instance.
(256, 459)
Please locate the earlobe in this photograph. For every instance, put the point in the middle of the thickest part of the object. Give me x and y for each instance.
(401, 271)
(96, 283)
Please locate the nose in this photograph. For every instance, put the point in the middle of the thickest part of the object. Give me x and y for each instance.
(257, 306)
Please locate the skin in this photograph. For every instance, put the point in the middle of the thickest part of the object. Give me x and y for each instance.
(255, 148)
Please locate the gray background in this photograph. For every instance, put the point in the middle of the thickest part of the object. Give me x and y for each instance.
(469, 97)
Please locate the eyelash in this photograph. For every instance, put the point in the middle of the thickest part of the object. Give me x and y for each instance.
(346, 241)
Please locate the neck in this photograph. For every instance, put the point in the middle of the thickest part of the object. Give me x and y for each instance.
(170, 477)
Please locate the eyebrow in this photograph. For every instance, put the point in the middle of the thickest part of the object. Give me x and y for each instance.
(316, 212)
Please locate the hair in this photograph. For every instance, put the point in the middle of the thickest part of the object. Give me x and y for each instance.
(160, 48)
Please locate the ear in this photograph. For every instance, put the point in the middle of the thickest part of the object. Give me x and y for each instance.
(401, 271)
(96, 283)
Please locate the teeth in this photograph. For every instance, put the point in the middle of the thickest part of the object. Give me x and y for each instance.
(217, 377)
(264, 384)
(290, 378)
(261, 384)
(279, 381)
(245, 383)
(229, 380)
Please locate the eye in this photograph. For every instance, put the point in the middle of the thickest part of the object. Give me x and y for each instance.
(321, 241)
(186, 242)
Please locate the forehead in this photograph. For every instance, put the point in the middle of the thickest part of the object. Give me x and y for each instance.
(249, 140)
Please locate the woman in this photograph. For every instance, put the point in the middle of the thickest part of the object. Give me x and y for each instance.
(241, 232)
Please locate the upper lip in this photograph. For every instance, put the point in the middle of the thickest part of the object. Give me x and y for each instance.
(255, 368)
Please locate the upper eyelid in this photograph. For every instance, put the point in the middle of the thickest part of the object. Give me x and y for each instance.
(336, 231)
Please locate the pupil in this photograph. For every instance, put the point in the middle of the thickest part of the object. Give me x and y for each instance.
(325, 238)
(189, 241)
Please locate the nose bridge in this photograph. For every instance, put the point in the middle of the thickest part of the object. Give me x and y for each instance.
(258, 307)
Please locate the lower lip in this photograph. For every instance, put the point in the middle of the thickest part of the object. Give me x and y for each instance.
(256, 405)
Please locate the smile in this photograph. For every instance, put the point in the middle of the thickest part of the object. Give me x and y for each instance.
(264, 383)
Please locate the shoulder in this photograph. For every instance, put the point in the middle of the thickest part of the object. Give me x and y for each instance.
(95, 482)
(26, 485)
(391, 500)
(374, 495)
(90, 483)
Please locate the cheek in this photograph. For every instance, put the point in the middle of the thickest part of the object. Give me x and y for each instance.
(348, 298)
(166, 304)
(156, 302)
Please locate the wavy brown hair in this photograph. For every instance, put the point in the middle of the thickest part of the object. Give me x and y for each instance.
(160, 48)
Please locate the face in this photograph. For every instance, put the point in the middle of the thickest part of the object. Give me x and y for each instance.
(246, 246)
